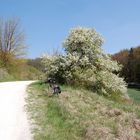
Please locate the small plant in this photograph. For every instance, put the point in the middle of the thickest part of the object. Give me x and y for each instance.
(4, 75)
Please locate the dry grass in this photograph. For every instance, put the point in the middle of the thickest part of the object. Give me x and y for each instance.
(102, 119)
(81, 115)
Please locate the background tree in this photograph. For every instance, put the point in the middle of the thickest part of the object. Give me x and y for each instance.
(130, 59)
(11, 40)
(12, 47)
(137, 64)
(122, 58)
(130, 66)
(36, 63)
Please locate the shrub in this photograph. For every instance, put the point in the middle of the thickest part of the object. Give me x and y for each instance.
(4, 75)
(85, 63)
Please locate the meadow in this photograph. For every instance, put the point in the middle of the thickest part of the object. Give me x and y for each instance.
(134, 94)
(80, 114)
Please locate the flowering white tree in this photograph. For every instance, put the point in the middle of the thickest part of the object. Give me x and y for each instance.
(86, 64)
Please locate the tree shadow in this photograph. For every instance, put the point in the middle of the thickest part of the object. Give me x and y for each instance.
(138, 89)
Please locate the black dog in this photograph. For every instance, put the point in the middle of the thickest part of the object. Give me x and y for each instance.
(52, 84)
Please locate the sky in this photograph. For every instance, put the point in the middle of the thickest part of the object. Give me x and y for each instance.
(46, 23)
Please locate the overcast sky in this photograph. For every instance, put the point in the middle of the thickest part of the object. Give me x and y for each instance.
(47, 22)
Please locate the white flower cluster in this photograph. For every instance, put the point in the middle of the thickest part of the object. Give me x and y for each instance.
(111, 83)
(83, 39)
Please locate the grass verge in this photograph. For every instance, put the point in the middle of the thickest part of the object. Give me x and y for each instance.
(78, 114)
(134, 94)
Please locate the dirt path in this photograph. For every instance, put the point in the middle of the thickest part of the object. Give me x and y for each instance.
(13, 118)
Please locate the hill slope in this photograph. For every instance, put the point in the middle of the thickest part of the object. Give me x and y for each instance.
(78, 114)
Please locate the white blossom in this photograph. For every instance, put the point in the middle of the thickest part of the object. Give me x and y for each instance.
(85, 63)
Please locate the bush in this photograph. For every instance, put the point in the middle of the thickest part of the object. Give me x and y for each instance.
(4, 75)
(85, 64)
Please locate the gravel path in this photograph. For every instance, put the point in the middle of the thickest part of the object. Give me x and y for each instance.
(13, 119)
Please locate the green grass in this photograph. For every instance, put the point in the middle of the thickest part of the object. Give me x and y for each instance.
(53, 118)
(78, 114)
(134, 94)
(21, 72)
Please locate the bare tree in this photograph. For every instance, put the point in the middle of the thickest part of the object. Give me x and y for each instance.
(11, 39)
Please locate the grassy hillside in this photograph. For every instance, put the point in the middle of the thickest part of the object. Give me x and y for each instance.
(5, 76)
(23, 72)
(18, 69)
(78, 114)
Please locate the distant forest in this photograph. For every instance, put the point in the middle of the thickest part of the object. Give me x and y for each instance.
(130, 60)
